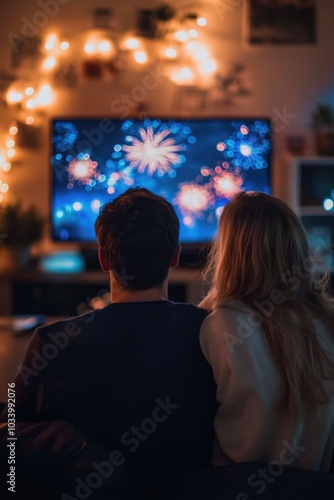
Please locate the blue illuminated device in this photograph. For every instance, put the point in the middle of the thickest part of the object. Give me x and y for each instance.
(198, 164)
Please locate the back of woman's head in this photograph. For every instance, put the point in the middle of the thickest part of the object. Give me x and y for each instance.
(260, 247)
(261, 256)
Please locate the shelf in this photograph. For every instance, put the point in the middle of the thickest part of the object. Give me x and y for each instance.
(311, 181)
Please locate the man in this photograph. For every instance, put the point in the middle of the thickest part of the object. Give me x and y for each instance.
(131, 376)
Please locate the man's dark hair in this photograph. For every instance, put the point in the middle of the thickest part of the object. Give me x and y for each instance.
(138, 233)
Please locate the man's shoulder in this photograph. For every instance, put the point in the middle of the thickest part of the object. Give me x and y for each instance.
(85, 324)
(189, 309)
(71, 326)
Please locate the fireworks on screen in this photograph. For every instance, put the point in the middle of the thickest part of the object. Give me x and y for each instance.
(153, 152)
(82, 170)
(119, 178)
(247, 146)
(197, 165)
(193, 199)
(65, 136)
(227, 182)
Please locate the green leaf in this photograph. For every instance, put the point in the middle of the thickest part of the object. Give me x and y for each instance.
(322, 116)
(22, 226)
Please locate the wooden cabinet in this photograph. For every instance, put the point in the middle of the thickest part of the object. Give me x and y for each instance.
(35, 292)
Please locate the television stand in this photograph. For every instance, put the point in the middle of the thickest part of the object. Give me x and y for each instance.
(190, 257)
(194, 257)
(30, 291)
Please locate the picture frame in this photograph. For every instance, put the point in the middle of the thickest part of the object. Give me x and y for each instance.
(280, 22)
(191, 98)
(25, 51)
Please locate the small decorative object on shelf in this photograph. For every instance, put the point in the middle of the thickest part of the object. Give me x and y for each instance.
(295, 144)
(323, 125)
(19, 228)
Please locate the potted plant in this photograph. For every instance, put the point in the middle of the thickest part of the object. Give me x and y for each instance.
(323, 125)
(19, 228)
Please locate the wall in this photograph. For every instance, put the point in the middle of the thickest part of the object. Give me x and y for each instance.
(287, 78)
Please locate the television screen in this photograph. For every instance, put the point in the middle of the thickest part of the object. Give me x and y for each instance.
(197, 164)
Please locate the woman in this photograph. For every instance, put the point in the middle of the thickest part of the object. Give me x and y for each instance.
(269, 339)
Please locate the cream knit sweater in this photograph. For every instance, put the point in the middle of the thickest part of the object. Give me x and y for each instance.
(247, 425)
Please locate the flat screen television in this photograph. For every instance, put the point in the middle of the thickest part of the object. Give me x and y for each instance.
(198, 164)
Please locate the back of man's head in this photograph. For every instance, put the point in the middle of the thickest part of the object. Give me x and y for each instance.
(138, 235)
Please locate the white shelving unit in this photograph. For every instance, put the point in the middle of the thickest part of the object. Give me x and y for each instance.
(311, 182)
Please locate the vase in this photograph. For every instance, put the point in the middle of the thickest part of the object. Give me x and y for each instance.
(324, 142)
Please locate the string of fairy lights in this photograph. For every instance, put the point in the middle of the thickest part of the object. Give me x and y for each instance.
(180, 45)
(6, 155)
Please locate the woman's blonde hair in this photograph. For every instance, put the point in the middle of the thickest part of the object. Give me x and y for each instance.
(261, 255)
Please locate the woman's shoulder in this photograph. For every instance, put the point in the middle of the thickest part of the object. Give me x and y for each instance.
(220, 330)
(231, 324)
(229, 317)
(229, 310)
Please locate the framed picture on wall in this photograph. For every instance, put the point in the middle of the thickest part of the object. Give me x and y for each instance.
(280, 22)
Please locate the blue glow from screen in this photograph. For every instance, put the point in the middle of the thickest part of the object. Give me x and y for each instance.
(197, 164)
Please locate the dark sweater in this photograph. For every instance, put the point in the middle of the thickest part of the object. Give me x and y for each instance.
(133, 376)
